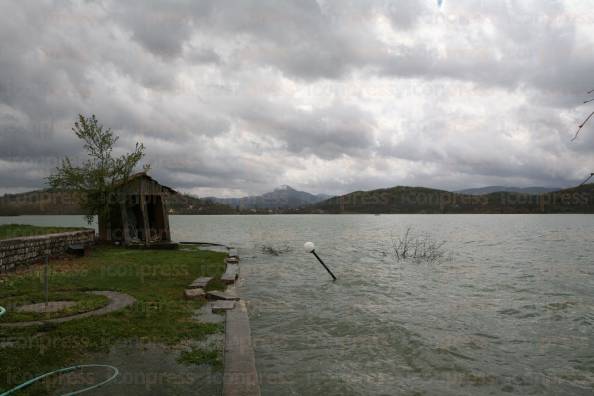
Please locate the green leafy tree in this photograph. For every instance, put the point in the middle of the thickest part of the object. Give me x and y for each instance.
(95, 180)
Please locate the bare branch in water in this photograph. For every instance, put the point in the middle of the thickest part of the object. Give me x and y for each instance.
(417, 247)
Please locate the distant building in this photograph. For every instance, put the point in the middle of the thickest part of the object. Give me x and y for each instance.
(139, 214)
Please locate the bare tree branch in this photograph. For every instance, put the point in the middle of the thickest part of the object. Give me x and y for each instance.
(582, 125)
(585, 181)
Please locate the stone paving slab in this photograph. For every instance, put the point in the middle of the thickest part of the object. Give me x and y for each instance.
(231, 274)
(194, 294)
(231, 291)
(218, 295)
(240, 377)
(200, 283)
(219, 306)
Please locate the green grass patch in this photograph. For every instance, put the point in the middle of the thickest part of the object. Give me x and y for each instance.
(200, 356)
(84, 302)
(155, 278)
(8, 231)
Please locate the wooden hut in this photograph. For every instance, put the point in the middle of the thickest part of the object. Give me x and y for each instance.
(138, 214)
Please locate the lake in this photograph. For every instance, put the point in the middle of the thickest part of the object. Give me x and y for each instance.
(509, 310)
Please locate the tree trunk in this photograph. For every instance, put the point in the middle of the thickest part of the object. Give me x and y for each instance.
(103, 225)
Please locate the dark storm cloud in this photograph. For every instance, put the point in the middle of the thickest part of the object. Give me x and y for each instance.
(303, 38)
(327, 132)
(246, 95)
(34, 141)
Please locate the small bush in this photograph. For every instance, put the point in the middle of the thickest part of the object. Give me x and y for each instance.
(420, 248)
(275, 251)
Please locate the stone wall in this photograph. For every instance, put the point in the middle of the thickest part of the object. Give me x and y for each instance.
(26, 250)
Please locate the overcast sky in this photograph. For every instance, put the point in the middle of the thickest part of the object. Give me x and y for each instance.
(237, 97)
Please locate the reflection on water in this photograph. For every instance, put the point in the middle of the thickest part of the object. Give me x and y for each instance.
(511, 313)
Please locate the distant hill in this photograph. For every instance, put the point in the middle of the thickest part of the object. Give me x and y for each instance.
(187, 204)
(493, 189)
(403, 199)
(284, 197)
(399, 199)
(52, 202)
(39, 202)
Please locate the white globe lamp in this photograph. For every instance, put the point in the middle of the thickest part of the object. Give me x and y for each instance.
(311, 248)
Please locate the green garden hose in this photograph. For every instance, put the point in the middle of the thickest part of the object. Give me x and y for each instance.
(116, 372)
(66, 370)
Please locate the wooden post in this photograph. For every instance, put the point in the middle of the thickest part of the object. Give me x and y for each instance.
(143, 210)
(102, 225)
(165, 219)
(124, 215)
(45, 281)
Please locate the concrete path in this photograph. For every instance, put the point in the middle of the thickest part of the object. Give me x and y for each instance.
(240, 377)
(117, 301)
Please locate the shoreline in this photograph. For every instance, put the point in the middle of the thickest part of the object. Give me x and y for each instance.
(240, 375)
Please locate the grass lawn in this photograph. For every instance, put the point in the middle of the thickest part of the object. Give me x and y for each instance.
(8, 231)
(155, 278)
(84, 302)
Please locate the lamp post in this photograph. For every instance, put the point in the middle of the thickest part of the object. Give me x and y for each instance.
(311, 248)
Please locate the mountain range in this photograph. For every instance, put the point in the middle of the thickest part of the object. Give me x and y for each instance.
(403, 199)
(283, 197)
(493, 189)
(53, 202)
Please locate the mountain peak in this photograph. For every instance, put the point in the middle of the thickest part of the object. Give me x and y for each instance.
(282, 197)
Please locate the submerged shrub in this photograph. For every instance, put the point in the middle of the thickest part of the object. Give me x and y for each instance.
(418, 247)
(275, 251)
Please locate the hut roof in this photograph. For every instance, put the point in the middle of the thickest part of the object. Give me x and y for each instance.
(143, 175)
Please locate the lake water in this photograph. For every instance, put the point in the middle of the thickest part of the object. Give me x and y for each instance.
(510, 311)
